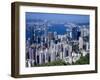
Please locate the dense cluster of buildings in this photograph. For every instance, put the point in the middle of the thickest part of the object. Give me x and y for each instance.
(45, 46)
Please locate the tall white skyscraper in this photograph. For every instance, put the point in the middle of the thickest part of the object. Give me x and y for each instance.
(69, 50)
(80, 43)
(87, 46)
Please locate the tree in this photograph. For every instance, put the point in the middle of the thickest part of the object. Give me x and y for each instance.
(83, 60)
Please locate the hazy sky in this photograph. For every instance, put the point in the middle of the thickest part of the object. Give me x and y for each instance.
(58, 17)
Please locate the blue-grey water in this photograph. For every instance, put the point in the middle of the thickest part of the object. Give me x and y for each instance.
(59, 28)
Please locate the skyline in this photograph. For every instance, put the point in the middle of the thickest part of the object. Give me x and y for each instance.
(56, 39)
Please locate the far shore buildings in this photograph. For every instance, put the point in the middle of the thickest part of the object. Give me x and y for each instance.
(50, 46)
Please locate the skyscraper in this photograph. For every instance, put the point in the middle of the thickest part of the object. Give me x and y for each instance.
(75, 33)
(80, 43)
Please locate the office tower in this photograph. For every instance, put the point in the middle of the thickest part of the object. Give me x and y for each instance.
(28, 43)
(69, 32)
(55, 35)
(69, 50)
(43, 56)
(40, 56)
(46, 55)
(87, 46)
(78, 35)
(75, 33)
(31, 55)
(65, 51)
(27, 48)
(84, 32)
(52, 54)
(50, 35)
(80, 43)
